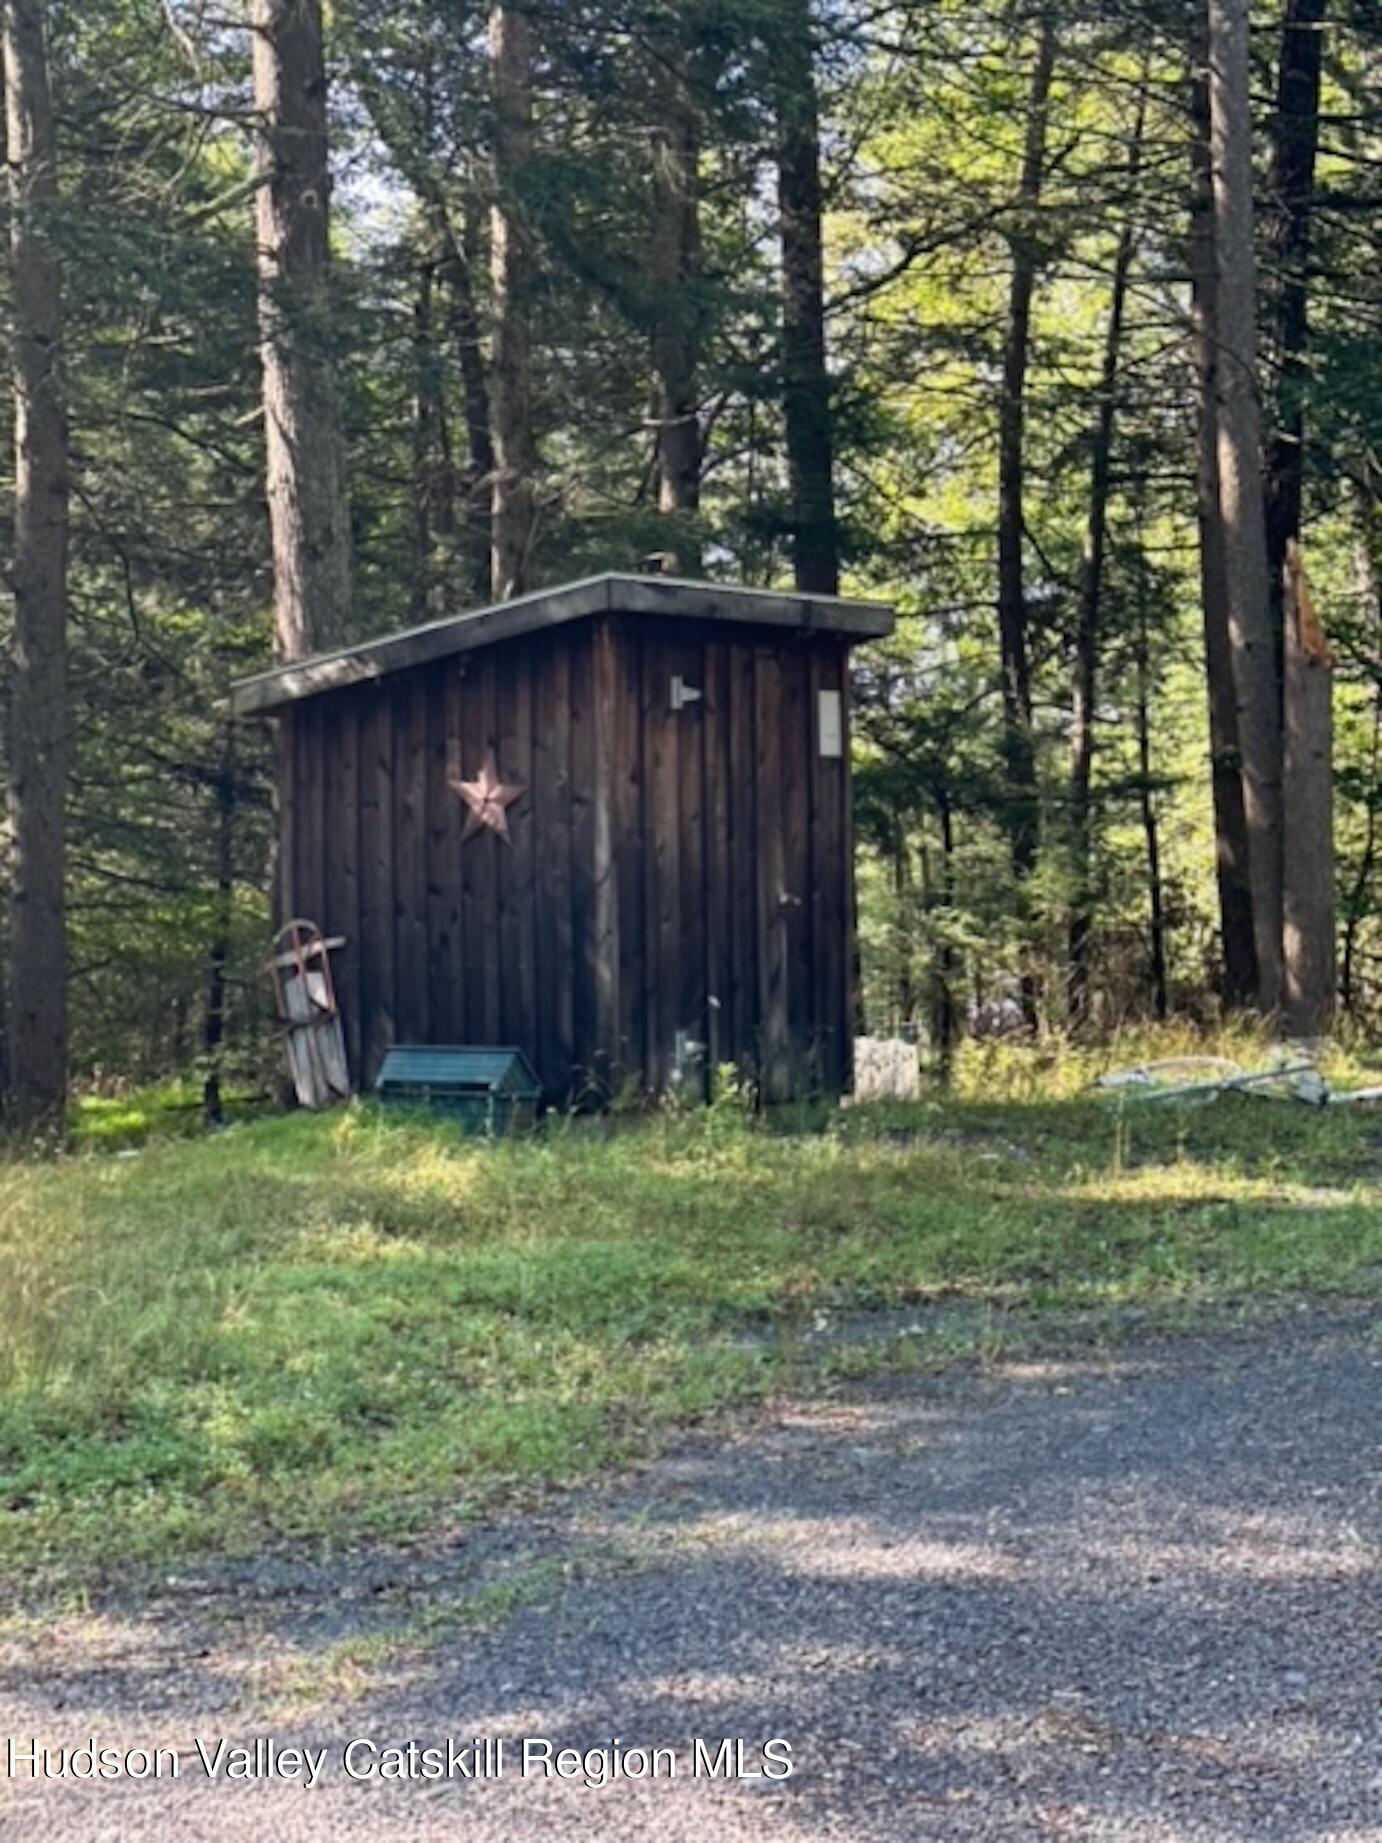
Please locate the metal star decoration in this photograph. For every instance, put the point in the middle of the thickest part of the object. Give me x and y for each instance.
(487, 800)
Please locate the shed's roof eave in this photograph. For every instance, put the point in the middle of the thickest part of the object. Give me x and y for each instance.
(459, 633)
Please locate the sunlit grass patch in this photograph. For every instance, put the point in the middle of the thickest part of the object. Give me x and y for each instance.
(129, 1116)
(318, 1329)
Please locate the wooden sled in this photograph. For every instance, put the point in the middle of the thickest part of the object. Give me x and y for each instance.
(300, 967)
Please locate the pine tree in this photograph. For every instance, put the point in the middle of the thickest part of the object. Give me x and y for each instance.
(1241, 501)
(39, 715)
(304, 445)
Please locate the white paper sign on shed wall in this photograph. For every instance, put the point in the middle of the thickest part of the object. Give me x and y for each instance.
(830, 724)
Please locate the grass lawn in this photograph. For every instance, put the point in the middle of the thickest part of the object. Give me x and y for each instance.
(332, 1328)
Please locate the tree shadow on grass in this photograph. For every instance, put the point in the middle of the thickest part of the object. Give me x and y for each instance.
(1125, 1599)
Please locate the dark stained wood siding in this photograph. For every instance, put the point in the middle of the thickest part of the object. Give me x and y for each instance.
(734, 863)
(678, 892)
(628, 819)
(342, 834)
(719, 848)
(378, 936)
(410, 858)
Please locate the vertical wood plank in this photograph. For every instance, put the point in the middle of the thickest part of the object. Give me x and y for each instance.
(540, 806)
(719, 916)
(527, 843)
(527, 846)
(352, 746)
(410, 880)
(477, 881)
(378, 961)
(651, 931)
(292, 795)
(829, 881)
(452, 879)
(298, 846)
(662, 850)
(690, 726)
(853, 988)
(315, 816)
(285, 804)
(796, 743)
(560, 866)
(487, 850)
(583, 917)
(821, 871)
(342, 900)
(774, 1041)
(741, 1038)
(605, 959)
(441, 921)
(508, 941)
(629, 850)
(308, 808)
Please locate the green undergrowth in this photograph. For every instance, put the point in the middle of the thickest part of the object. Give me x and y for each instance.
(174, 1109)
(336, 1329)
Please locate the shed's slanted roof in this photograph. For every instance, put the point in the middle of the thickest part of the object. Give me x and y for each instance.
(462, 633)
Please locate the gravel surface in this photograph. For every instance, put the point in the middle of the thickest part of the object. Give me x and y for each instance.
(1132, 1598)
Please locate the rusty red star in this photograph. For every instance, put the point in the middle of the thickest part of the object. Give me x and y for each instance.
(487, 799)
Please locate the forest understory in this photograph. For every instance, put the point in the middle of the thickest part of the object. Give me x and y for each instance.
(1058, 329)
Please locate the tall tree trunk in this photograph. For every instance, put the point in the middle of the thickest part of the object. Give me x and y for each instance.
(676, 255)
(945, 1021)
(1151, 831)
(38, 740)
(1290, 189)
(218, 958)
(1309, 965)
(1087, 625)
(904, 906)
(1358, 904)
(511, 412)
(1225, 766)
(308, 515)
(1308, 948)
(1241, 503)
(805, 378)
(1019, 740)
(463, 256)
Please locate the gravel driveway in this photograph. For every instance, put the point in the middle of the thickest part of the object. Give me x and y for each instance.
(1126, 1598)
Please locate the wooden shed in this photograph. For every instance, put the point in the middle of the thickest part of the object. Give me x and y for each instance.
(608, 822)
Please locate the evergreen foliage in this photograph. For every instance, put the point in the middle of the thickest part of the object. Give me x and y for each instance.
(924, 119)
